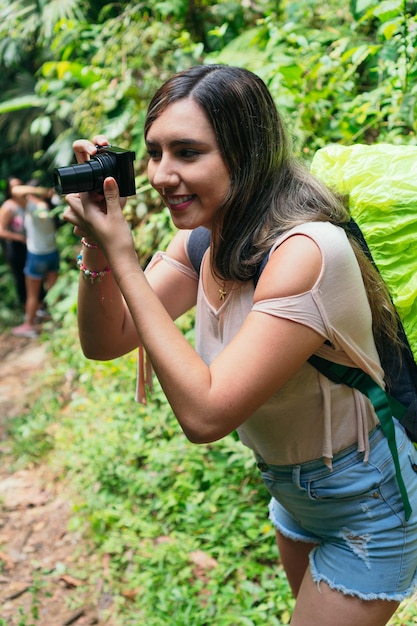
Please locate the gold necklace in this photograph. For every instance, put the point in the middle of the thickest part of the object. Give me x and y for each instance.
(222, 291)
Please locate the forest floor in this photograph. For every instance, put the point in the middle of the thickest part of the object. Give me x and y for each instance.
(37, 549)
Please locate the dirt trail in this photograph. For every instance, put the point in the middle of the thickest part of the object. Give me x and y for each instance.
(37, 551)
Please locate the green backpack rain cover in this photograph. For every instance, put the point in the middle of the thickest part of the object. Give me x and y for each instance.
(380, 181)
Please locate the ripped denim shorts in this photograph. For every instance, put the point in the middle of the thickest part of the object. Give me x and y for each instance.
(354, 513)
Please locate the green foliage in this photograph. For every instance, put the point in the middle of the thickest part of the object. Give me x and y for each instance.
(334, 79)
(85, 67)
(340, 72)
(184, 527)
(10, 311)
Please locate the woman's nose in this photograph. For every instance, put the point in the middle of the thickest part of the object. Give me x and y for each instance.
(164, 174)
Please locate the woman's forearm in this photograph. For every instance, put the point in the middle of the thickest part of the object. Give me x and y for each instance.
(182, 373)
(103, 323)
(11, 236)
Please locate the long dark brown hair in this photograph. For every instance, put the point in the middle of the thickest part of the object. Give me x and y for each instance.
(270, 191)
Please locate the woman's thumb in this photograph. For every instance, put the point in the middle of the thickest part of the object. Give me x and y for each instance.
(111, 193)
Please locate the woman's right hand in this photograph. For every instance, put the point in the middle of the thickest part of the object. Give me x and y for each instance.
(85, 149)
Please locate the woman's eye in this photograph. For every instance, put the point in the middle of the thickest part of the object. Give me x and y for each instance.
(154, 154)
(187, 153)
(184, 153)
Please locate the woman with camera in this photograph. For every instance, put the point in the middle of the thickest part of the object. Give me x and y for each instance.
(220, 158)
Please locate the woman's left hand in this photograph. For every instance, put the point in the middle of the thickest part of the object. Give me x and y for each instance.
(100, 217)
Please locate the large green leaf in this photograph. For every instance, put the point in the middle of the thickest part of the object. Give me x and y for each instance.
(23, 102)
(83, 75)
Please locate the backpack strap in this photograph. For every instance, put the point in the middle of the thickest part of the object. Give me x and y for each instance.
(198, 243)
(400, 371)
(385, 407)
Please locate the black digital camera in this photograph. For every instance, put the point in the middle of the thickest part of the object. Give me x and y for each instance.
(90, 175)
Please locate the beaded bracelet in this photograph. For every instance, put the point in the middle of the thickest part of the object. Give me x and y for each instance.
(90, 274)
(87, 244)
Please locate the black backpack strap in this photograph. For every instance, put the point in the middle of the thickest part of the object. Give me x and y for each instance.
(198, 243)
(354, 228)
(260, 268)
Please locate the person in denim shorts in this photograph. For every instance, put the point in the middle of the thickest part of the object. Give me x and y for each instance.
(42, 258)
(220, 159)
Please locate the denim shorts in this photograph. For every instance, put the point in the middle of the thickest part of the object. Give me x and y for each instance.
(39, 265)
(354, 513)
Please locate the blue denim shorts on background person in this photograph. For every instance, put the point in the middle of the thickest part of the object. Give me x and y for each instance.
(355, 513)
(39, 265)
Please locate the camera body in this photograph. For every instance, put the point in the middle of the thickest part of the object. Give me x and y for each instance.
(90, 175)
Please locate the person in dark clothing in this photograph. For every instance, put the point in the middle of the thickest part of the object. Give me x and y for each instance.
(12, 235)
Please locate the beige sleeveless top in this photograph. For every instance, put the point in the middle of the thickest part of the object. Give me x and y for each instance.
(309, 417)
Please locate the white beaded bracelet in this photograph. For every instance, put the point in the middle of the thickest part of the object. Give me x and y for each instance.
(87, 244)
(91, 275)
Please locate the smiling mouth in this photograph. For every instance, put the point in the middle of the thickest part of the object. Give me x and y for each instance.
(176, 201)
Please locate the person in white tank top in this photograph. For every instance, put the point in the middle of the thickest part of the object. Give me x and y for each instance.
(42, 260)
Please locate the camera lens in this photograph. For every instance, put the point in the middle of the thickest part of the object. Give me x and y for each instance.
(88, 176)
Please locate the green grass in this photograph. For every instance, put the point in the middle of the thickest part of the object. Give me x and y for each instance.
(11, 312)
(183, 528)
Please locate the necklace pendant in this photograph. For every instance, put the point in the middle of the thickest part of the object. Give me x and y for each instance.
(222, 293)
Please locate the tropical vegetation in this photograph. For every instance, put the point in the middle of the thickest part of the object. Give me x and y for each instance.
(185, 528)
